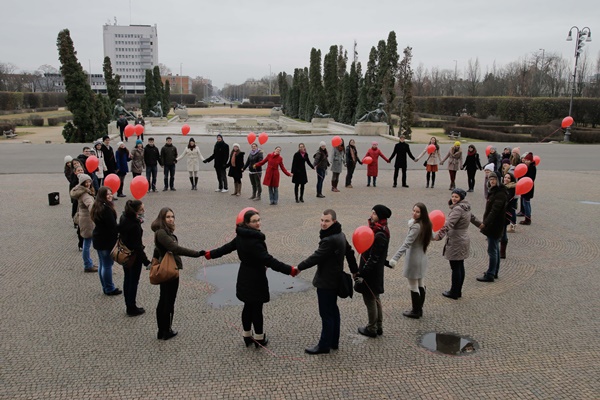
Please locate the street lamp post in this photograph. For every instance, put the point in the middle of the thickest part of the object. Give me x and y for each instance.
(583, 35)
(270, 93)
(180, 83)
(455, 75)
(541, 73)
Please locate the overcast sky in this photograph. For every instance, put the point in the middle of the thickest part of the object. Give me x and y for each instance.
(229, 41)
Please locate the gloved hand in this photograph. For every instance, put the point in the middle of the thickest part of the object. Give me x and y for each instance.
(393, 263)
(146, 262)
(294, 272)
(201, 253)
(204, 161)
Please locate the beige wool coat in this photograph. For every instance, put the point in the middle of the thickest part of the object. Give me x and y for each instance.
(415, 260)
(85, 200)
(455, 230)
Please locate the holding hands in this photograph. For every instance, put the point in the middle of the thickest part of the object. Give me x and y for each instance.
(391, 264)
(294, 272)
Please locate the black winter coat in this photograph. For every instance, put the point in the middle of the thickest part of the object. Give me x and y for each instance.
(220, 155)
(105, 232)
(168, 155)
(329, 258)
(472, 162)
(109, 160)
(372, 262)
(131, 233)
(252, 285)
(531, 173)
(299, 169)
(401, 149)
(349, 161)
(165, 241)
(236, 172)
(254, 159)
(151, 155)
(495, 209)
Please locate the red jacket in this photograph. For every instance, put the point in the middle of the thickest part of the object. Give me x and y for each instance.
(373, 169)
(272, 173)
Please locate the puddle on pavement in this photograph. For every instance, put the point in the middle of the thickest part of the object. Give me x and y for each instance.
(223, 278)
(448, 343)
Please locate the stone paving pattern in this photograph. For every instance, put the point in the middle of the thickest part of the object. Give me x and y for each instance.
(537, 326)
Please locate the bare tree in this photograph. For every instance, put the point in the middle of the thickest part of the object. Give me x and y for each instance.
(164, 70)
(473, 76)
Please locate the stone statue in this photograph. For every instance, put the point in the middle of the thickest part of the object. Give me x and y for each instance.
(377, 115)
(179, 106)
(157, 110)
(120, 110)
(318, 114)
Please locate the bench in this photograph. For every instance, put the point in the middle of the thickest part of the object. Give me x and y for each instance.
(454, 135)
(9, 134)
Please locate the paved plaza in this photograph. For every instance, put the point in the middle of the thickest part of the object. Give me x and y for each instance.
(536, 328)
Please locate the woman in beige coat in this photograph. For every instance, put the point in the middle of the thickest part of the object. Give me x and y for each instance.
(454, 158)
(456, 249)
(83, 193)
(432, 161)
(193, 161)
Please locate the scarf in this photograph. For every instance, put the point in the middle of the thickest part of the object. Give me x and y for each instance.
(233, 154)
(336, 227)
(471, 153)
(302, 152)
(352, 152)
(380, 226)
(254, 152)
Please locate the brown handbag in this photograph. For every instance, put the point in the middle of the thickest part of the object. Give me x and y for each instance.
(163, 270)
(121, 254)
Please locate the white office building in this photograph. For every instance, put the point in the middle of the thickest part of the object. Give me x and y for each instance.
(132, 50)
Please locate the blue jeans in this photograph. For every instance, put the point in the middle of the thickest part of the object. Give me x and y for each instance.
(105, 262)
(85, 253)
(330, 318)
(526, 207)
(169, 181)
(494, 256)
(320, 178)
(151, 172)
(273, 194)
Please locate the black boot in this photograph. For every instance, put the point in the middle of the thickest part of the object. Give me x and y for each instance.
(253, 193)
(296, 193)
(302, 194)
(260, 342)
(196, 183)
(422, 293)
(192, 182)
(417, 310)
(503, 244)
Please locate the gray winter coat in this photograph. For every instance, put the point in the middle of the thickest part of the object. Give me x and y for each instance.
(456, 231)
(415, 261)
(85, 200)
(454, 159)
(338, 159)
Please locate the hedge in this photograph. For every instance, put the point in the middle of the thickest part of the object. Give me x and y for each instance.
(522, 110)
(38, 100)
(487, 135)
(57, 120)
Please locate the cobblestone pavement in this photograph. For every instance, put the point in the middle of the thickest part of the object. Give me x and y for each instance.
(537, 326)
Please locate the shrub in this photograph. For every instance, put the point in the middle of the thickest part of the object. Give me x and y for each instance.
(585, 136)
(487, 135)
(8, 127)
(36, 120)
(467, 122)
(52, 121)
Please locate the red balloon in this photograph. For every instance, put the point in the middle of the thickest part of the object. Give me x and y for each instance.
(567, 121)
(536, 159)
(487, 150)
(251, 137)
(91, 164)
(430, 148)
(139, 186)
(524, 185)
(520, 170)
(185, 129)
(129, 131)
(438, 219)
(263, 137)
(113, 182)
(367, 160)
(336, 141)
(362, 238)
(139, 129)
(240, 217)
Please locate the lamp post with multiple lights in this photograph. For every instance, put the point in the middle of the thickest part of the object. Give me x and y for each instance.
(583, 35)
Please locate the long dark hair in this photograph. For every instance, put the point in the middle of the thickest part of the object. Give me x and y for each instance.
(426, 226)
(159, 222)
(100, 202)
(131, 208)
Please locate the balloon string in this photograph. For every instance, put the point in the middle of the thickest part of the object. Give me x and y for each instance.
(549, 135)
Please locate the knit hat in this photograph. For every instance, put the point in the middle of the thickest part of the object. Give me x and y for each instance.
(374, 143)
(457, 144)
(119, 144)
(382, 211)
(105, 137)
(492, 148)
(219, 135)
(460, 192)
(83, 178)
(68, 159)
(517, 150)
(505, 161)
(492, 175)
(138, 142)
(322, 144)
(236, 144)
(489, 167)
(97, 142)
(528, 156)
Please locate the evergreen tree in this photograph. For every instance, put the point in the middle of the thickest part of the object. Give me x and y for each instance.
(349, 101)
(303, 88)
(149, 95)
(159, 91)
(382, 66)
(342, 61)
(371, 90)
(389, 75)
(282, 83)
(294, 97)
(103, 114)
(80, 98)
(166, 100)
(316, 94)
(113, 82)
(407, 105)
(331, 82)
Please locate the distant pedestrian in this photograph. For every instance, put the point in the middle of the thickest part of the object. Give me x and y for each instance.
(454, 158)
(84, 194)
(168, 160)
(101, 164)
(109, 156)
(255, 156)
(401, 149)
(471, 164)
(526, 197)
(220, 155)
(236, 168)
(137, 159)
(122, 156)
(122, 124)
(300, 178)
(373, 167)
(495, 158)
(321, 163)
(193, 161)
(338, 160)
(140, 121)
(432, 161)
(275, 161)
(351, 160)
(151, 159)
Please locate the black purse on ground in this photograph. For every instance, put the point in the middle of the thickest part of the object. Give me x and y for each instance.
(345, 285)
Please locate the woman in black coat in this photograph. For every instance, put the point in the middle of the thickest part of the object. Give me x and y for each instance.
(104, 237)
(471, 164)
(236, 167)
(252, 287)
(351, 160)
(131, 233)
(255, 156)
(300, 178)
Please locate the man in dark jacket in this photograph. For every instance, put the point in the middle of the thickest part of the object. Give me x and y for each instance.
(221, 156)
(371, 270)
(109, 156)
(168, 159)
(329, 259)
(492, 225)
(151, 158)
(122, 124)
(401, 149)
